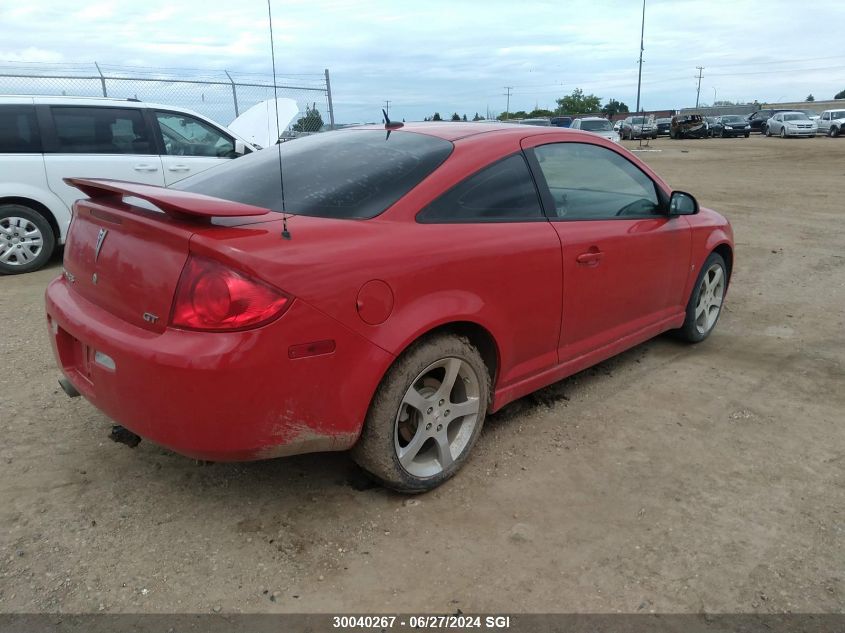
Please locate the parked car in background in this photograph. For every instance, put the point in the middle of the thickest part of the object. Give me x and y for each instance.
(538, 122)
(832, 122)
(561, 121)
(714, 126)
(689, 125)
(734, 125)
(638, 127)
(419, 282)
(596, 125)
(758, 120)
(46, 139)
(664, 125)
(785, 124)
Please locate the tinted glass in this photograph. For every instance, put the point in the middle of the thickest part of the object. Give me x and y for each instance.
(187, 136)
(18, 130)
(588, 182)
(343, 174)
(795, 116)
(503, 191)
(732, 118)
(83, 130)
(596, 126)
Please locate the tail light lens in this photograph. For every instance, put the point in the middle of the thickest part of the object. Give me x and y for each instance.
(212, 296)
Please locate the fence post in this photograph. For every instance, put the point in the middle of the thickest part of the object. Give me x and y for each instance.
(102, 79)
(329, 96)
(234, 93)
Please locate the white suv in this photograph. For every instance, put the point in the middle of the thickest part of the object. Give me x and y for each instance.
(46, 139)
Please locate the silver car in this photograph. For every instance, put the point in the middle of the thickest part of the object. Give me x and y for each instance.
(596, 125)
(638, 127)
(791, 124)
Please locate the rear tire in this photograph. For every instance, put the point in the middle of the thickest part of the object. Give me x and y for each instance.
(26, 239)
(705, 302)
(426, 415)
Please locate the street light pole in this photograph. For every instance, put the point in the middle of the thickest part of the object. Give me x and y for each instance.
(640, 74)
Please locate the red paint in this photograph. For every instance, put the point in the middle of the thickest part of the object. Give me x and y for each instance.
(555, 297)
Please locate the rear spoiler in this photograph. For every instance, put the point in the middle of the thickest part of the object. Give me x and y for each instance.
(175, 203)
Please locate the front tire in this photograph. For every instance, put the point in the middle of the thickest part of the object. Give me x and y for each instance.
(705, 303)
(783, 132)
(426, 415)
(767, 131)
(26, 239)
(834, 131)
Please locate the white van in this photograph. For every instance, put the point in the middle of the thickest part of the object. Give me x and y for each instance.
(46, 139)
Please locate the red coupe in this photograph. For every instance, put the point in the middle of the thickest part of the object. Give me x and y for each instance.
(416, 281)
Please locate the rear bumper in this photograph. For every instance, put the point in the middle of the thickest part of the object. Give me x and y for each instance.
(219, 396)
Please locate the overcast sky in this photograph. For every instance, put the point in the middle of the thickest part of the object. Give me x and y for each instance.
(458, 55)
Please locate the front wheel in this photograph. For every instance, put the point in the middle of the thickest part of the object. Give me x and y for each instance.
(705, 303)
(26, 239)
(783, 132)
(747, 135)
(426, 415)
(767, 131)
(834, 131)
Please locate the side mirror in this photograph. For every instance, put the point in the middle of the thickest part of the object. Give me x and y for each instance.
(240, 147)
(682, 203)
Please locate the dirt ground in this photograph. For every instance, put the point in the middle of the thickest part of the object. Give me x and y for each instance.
(671, 478)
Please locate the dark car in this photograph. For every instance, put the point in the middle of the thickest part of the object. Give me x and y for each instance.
(664, 126)
(757, 120)
(689, 125)
(714, 126)
(734, 125)
(561, 121)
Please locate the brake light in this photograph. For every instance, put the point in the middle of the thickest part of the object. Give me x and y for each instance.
(212, 296)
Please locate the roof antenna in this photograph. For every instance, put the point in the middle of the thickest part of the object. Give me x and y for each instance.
(285, 232)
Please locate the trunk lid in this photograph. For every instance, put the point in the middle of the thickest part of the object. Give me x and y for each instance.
(127, 259)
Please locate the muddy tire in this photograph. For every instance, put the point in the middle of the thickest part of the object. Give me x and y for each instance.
(426, 415)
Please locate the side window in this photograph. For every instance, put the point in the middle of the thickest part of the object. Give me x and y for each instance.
(84, 130)
(503, 191)
(186, 136)
(19, 130)
(588, 182)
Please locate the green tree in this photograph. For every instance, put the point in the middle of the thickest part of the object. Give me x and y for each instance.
(614, 107)
(839, 95)
(519, 114)
(477, 118)
(312, 121)
(578, 103)
(436, 117)
(456, 117)
(540, 113)
(810, 97)
(464, 118)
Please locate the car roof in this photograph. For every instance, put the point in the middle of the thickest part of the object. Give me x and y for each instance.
(592, 118)
(450, 131)
(92, 101)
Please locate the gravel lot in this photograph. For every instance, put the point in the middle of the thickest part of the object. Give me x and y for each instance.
(670, 478)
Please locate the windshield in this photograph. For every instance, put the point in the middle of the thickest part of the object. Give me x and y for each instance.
(343, 174)
(732, 118)
(597, 126)
(638, 120)
(795, 116)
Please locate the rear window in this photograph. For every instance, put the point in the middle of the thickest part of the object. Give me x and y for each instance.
(596, 126)
(18, 130)
(342, 174)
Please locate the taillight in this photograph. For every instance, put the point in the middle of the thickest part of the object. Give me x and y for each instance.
(212, 296)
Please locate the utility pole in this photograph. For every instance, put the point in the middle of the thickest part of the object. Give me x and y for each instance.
(698, 92)
(642, 47)
(387, 107)
(508, 106)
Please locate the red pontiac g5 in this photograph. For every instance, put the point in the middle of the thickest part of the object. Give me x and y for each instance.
(419, 280)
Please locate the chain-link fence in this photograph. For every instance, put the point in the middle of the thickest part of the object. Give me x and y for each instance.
(219, 95)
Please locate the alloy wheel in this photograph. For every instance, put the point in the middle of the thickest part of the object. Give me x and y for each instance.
(711, 292)
(437, 416)
(20, 241)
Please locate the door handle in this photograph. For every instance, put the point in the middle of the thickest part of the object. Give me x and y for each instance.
(591, 257)
(178, 168)
(145, 167)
